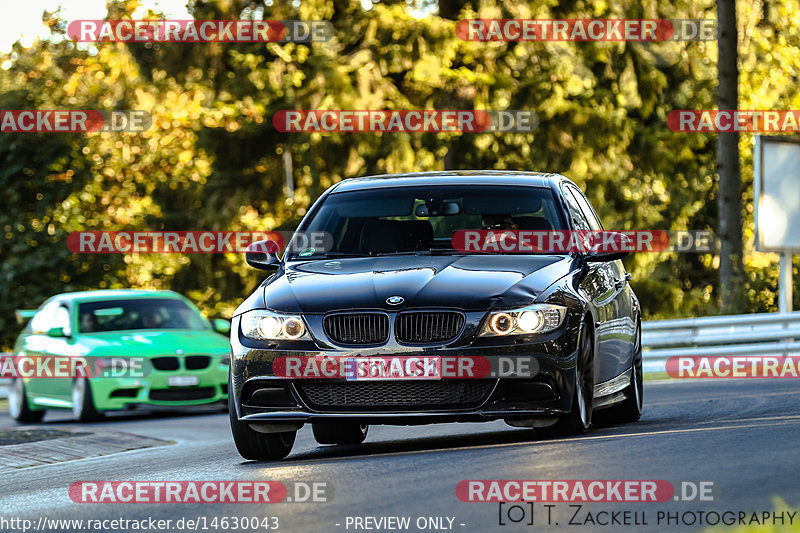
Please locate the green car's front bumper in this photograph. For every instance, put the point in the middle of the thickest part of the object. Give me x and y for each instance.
(155, 388)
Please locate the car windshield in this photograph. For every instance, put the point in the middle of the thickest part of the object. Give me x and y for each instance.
(138, 314)
(401, 220)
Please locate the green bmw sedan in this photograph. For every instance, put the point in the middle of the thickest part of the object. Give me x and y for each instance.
(108, 350)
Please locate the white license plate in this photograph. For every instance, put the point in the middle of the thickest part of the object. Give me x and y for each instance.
(182, 381)
(393, 368)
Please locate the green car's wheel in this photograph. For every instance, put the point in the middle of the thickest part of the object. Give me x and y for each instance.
(340, 432)
(18, 405)
(257, 446)
(83, 408)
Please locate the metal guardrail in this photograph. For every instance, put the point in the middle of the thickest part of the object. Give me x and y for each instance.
(754, 334)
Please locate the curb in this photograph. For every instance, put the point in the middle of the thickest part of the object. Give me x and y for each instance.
(16, 456)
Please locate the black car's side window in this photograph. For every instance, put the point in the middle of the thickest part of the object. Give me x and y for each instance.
(614, 270)
(586, 209)
(575, 213)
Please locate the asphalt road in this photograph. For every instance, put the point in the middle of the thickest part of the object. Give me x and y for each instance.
(742, 435)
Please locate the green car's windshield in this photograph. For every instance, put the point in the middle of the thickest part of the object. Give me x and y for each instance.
(138, 314)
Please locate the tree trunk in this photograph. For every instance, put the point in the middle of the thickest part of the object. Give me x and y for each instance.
(450, 9)
(729, 195)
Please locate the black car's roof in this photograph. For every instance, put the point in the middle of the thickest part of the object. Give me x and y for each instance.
(450, 177)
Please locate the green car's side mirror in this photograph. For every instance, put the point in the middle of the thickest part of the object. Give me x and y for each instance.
(221, 325)
(56, 332)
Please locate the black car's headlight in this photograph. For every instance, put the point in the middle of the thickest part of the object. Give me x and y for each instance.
(261, 324)
(536, 318)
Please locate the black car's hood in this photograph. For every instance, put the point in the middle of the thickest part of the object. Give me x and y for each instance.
(466, 282)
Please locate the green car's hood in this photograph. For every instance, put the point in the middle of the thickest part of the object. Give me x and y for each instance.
(151, 343)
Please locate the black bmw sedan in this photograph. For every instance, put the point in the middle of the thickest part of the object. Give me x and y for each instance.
(396, 321)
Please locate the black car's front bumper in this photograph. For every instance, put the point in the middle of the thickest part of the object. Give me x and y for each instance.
(262, 397)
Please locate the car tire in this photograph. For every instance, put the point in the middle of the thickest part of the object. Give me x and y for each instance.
(255, 446)
(340, 432)
(18, 406)
(630, 410)
(83, 408)
(579, 419)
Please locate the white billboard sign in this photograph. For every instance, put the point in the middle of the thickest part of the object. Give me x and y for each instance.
(777, 193)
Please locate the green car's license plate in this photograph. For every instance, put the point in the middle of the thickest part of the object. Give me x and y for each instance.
(182, 381)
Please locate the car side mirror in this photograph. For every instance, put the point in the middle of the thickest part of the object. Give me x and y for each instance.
(258, 256)
(57, 332)
(221, 325)
(608, 246)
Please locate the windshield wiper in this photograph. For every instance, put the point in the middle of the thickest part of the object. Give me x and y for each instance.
(329, 255)
(445, 251)
(418, 252)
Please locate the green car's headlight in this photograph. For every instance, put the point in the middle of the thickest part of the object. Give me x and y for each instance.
(265, 325)
(536, 318)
